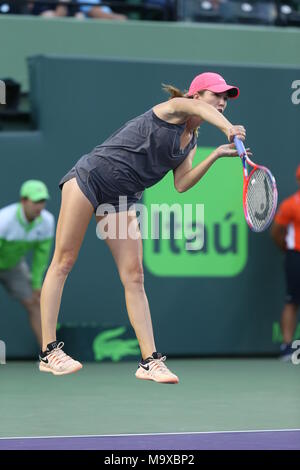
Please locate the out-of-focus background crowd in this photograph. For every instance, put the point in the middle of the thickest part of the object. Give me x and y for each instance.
(266, 12)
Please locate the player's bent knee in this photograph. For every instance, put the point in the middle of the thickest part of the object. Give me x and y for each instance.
(133, 275)
(64, 263)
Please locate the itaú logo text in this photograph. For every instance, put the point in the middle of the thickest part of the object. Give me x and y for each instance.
(215, 245)
(198, 240)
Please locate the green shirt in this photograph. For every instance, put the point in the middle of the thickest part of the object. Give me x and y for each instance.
(18, 237)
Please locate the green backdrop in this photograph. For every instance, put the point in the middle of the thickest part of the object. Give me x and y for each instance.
(22, 36)
(77, 102)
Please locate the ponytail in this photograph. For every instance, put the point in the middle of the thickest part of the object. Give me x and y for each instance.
(174, 92)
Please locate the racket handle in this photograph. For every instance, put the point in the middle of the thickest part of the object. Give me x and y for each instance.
(240, 147)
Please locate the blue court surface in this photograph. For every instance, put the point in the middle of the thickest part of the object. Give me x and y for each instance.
(248, 440)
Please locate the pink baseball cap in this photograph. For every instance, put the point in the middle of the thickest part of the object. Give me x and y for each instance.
(212, 82)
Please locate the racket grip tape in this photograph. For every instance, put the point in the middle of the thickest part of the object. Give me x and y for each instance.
(240, 147)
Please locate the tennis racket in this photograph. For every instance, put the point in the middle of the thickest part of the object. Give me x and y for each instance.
(259, 192)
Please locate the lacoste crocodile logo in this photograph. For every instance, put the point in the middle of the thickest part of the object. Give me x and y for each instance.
(106, 346)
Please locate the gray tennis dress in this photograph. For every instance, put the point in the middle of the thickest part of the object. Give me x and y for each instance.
(135, 157)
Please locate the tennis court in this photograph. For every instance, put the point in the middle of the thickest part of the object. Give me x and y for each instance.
(164, 120)
(218, 404)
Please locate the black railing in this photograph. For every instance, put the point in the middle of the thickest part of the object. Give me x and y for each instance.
(256, 12)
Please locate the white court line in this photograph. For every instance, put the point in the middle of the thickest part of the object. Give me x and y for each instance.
(149, 434)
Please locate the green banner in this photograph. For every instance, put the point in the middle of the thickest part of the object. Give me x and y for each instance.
(217, 245)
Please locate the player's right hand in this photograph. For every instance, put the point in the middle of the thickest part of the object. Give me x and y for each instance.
(236, 131)
(229, 150)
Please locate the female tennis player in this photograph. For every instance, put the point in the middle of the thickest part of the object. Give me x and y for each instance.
(135, 157)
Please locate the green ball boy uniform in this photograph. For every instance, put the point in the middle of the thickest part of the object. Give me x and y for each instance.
(17, 238)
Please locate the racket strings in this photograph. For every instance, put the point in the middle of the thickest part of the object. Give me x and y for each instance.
(260, 199)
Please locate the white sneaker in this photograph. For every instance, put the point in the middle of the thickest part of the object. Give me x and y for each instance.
(56, 361)
(153, 368)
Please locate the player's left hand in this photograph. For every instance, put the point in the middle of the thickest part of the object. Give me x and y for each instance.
(229, 150)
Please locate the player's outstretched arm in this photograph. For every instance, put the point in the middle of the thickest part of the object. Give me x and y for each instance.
(178, 110)
(185, 176)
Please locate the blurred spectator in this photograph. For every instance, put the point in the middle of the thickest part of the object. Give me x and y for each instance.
(48, 10)
(82, 11)
(232, 11)
(98, 12)
(286, 234)
(26, 226)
